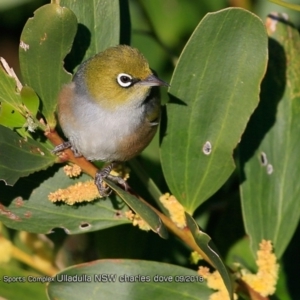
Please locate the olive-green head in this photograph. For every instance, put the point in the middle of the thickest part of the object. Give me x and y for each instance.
(117, 76)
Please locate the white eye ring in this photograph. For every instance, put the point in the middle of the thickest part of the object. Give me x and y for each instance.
(124, 80)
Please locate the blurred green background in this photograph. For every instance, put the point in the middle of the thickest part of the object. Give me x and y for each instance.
(160, 29)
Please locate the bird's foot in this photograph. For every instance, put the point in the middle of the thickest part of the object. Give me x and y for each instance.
(64, 146)
(105, 191)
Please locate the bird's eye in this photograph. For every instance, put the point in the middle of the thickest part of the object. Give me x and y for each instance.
(124, 80)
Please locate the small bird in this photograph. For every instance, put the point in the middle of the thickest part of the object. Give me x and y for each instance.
(111, 110)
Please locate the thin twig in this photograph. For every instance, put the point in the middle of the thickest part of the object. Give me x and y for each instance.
(55, 2)
(68, 155)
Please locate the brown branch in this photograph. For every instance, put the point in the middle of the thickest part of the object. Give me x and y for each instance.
(183, 233)
(68, 155)
(87, 167)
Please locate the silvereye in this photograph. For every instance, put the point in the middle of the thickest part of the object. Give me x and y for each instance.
(111, 110)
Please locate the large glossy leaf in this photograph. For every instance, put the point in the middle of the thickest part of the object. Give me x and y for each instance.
(270, 146)
(98, 28)
(45, 41)
(20, 157)
(214, 90)
(26, 206)
(128, 279)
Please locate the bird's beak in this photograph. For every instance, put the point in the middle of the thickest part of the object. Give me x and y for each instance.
(152, 80)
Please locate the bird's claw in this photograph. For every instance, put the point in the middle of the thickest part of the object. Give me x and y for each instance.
(105, 191)
(66, 145)
(119, 180)
(61, 147)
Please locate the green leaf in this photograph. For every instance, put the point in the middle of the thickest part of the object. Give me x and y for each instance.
(128, 279)
(20, 157)
(206, 245)
(142, 209)
(270, 146)
(26, 206)
(98, 28)
(30, 99)
(161, 20)
(13, 113)
(10, 117)
(214, 90)
(8, 91)
(25, 288)
(240, 253)
(45, 41)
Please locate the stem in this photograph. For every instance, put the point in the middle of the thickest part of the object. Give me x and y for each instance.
(285, 4)
(41, 124)
(183, 233)
(68, 155)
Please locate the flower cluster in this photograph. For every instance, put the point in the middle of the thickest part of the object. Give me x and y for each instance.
(195, 257)
(72, 170)
(175, 209)
(137, 220)
(264, 281)
(79, 192)
(215, 282)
